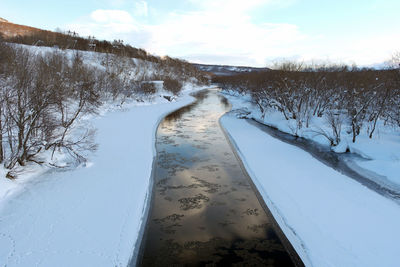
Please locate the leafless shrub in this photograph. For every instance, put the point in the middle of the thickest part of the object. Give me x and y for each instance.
(173, 86)
(148, 88)
(335, 121)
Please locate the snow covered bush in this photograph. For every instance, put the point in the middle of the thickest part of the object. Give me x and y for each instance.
(148, 88)
(42, 98)
(173, 86)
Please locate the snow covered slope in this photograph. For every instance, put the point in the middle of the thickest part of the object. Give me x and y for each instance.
(90, 216)
(330, 219)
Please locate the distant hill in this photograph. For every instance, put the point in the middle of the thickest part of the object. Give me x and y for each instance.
(225, 70)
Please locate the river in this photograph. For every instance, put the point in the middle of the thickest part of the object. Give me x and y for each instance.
(204, 209)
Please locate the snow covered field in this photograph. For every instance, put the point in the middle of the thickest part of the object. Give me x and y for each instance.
(330, 219)
(379, 157)
(90, 216)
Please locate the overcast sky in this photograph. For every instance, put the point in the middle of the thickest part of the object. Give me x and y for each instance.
(236, 32)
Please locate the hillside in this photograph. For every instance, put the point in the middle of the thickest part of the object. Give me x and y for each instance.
(9, 30)
(90, 73)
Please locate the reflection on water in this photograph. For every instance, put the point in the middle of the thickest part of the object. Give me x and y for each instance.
(204, 211)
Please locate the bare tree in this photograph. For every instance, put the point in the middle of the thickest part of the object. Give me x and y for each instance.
(395, 61)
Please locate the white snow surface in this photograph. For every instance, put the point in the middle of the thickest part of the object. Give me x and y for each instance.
(330, 219)
(381, 153)
(90, 216)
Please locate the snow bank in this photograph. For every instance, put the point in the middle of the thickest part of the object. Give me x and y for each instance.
(381, 153)
(90, 216)
(331, 220)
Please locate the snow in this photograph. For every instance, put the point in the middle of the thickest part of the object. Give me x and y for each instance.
(330, 219)
(380, 156)
(90, 216)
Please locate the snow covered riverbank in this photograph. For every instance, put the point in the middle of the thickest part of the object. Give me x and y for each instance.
(378, 158)
(330, 219)
(90, 216)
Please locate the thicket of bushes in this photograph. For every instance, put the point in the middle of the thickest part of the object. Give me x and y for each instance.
(355, 98)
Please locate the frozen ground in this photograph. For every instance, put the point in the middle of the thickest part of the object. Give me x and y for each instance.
(89, 216)
(330, 219)
(380, 156)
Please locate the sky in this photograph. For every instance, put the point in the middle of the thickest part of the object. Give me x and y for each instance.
(234, 32)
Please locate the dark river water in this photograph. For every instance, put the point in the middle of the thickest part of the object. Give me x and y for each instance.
(204, 210)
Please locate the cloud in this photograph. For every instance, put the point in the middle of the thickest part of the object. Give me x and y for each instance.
(222, 32)
(231, 38)
(230, 35)
(206, 33)
(367, 50)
